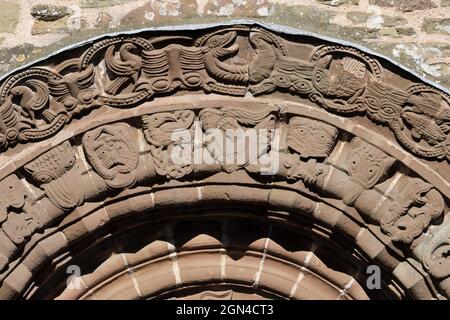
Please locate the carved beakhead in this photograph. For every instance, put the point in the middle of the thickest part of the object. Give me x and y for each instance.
(111, 150)
(53, 164)
(311, 138)
(366, 164)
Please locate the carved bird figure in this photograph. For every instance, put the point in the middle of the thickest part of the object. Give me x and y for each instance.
(218, 48)
(73, 88)
(424, 128)
(35, 100)
(125, 68)
(430, 105)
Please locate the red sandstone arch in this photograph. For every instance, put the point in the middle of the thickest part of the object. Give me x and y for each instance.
(363, 176)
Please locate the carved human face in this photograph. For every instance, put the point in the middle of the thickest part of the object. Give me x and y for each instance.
(210, 119)
(111, 150)
(311, 138)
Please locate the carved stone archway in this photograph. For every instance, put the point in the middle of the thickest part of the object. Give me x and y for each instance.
(88, 180)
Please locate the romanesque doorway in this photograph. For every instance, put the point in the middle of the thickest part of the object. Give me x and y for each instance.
(111, 171)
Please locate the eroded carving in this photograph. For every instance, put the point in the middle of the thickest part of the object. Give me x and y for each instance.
(436, 257)
(234, 123)
(18, 220)
(403, 206)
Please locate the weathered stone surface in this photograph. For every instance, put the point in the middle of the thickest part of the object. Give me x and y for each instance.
(390, 21)
(358, 17)
(432, 25)
(428, 57)
(101, 3)
(103, 20)
(405, 5)
(157, 12)
(237, 8)
(361, 17)
(9, 16)
(405, 31)
(63, 25)
(49, 12)
(389, 32)
(445, 3)
(336, 3)
(14, 54)
(307, 17)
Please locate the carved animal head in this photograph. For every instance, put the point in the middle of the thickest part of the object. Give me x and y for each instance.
(128, 47)
(311, 138)
(53, 164)
(159, 127)
(111, 150)
(221, 40)
(367, 164)
(341, 78)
